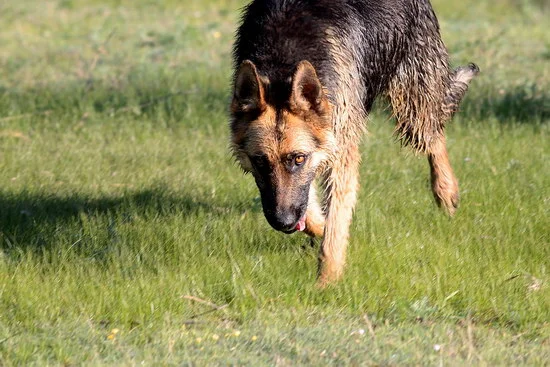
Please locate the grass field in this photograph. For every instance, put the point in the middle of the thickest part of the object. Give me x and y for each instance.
(122, 213)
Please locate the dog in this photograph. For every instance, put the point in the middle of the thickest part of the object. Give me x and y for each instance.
(307, 73)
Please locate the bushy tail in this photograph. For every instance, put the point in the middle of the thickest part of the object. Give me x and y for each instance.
(459, 85)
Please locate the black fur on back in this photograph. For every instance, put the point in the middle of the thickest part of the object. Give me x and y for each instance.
(378, 34)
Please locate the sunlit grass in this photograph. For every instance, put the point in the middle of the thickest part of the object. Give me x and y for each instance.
(127, 233)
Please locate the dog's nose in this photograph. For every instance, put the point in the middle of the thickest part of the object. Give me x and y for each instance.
(286, 220)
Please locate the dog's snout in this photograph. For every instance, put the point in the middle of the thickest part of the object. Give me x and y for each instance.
(286, 219)
(284, 208)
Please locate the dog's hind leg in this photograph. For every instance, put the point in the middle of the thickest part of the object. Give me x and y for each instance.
(424, 95)
(444, 183)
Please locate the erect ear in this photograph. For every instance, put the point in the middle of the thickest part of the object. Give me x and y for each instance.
(248, 94)
(307, 92)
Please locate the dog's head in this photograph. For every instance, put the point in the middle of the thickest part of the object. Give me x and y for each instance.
(282, 134)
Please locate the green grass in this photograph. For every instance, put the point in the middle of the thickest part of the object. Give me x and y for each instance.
(119, 199)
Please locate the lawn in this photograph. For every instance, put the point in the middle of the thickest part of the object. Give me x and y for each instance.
(129, 236)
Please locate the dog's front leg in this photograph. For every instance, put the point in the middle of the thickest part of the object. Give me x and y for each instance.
(342, 185)
(315, 218)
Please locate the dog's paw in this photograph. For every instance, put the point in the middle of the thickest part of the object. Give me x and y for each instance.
(446, 196)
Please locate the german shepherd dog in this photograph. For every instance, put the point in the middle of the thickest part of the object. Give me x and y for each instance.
(307, 73)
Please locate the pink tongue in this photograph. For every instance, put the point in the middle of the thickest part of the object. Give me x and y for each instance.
(301, 225)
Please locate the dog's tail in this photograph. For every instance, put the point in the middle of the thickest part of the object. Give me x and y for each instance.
(458, 87)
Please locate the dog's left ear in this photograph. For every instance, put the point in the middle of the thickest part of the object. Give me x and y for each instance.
(307, 91)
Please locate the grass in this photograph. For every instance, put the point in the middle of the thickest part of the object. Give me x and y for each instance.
(119, 200)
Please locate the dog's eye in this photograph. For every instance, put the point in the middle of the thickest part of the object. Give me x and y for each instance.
(299, 159)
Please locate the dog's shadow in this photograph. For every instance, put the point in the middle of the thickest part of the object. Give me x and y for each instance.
(28, 220)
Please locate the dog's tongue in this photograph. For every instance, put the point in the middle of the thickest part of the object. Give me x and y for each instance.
(301, 225)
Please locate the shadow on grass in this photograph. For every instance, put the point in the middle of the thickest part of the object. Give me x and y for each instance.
(154, 95)
(28, 221)
(184, 101)
(527, 104)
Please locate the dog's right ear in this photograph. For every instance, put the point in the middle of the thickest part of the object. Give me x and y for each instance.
(307, 92)
(248, 93)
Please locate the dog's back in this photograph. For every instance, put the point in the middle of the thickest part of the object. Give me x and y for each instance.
(366, 39)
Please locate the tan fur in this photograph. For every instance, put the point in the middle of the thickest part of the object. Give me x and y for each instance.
(444, 182)
(315, 219)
